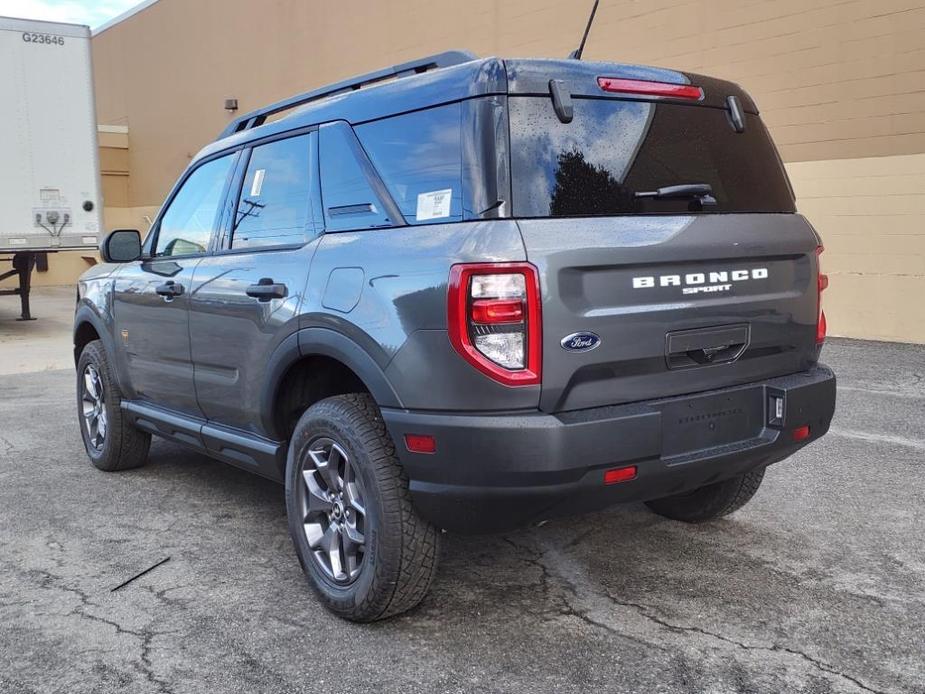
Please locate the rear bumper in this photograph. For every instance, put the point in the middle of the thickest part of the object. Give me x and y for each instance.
(496, 472)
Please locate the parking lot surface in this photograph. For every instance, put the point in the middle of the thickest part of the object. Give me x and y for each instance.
(818, 585)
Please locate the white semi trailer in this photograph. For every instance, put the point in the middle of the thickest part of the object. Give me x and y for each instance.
(49, 161)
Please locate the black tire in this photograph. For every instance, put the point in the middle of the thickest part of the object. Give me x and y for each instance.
(710, 502)
(397, 560)
(122, 446)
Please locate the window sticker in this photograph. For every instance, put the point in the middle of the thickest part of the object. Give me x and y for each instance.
(257, 185)
(434, 205)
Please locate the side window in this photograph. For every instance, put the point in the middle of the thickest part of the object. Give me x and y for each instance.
(419, 156)
(274, 208)
(349, 199)
(189, 221)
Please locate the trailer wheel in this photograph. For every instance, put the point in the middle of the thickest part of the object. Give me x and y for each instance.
(111, 441)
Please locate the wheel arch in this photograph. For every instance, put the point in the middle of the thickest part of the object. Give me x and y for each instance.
(88, 326)
(309, 343)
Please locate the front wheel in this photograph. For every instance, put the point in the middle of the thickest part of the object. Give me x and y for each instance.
(112, 442)
(710, 502)
(365, 550)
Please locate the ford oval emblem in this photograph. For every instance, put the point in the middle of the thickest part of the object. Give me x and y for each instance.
(580, 342)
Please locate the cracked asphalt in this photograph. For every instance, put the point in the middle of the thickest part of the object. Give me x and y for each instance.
(818, 585)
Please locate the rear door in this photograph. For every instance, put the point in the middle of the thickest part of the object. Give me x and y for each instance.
(245, 298)
(151, 297)
(646, 295)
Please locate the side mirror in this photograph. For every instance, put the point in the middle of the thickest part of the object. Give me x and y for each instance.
(121, 246)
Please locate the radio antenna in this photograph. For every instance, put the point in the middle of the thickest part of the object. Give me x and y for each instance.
(576, 54)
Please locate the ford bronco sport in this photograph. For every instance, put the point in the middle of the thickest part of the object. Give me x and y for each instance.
(467, 294)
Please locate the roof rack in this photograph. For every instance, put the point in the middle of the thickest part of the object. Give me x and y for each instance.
(414, 67)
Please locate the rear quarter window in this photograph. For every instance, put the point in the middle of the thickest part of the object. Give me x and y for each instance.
(614, 149)
(419, 157)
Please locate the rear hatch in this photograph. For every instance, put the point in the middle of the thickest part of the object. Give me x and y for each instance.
(651, 293)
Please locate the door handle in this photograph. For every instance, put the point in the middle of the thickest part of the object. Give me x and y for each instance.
(169, 290)
(267, 289)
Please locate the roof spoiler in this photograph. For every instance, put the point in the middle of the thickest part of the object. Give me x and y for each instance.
(413, 67)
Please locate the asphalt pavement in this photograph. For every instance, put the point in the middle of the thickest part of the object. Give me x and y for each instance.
(818, 585)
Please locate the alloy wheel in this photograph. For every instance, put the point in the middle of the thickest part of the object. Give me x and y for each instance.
(333, 510)
(93, 406)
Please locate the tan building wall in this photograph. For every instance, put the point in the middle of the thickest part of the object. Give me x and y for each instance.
(840, 84)
(870, 213)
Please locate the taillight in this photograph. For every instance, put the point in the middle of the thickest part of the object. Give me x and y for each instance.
(821, 283)
(493, 315)
(646, 88)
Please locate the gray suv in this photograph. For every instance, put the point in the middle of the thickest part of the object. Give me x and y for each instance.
(467, 294)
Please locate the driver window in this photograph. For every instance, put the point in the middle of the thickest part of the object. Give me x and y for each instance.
(188, 223)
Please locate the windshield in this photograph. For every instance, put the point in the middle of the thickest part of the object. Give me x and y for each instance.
(613, 152)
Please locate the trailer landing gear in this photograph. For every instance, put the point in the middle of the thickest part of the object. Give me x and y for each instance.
(23, 264)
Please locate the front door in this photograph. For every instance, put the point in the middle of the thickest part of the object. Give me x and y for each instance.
(246, 297)
(152, 296)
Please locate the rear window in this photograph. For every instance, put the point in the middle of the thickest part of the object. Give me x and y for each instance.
(614, 149)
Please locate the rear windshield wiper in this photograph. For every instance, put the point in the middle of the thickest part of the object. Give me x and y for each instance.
(700, 191)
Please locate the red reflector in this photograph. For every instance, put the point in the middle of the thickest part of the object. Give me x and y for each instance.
(821, 328)
(675, 91)
(801, 433)
(497, 311)
(620, 474)
(421, 443)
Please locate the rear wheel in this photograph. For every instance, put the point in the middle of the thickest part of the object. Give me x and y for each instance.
(111, 441)
(710, 502)
(362, 546)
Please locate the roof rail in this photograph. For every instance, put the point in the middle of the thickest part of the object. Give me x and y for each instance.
(413, 67)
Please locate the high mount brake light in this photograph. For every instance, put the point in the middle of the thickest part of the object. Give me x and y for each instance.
(494, 320)
(645, 88)
(821, 284)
